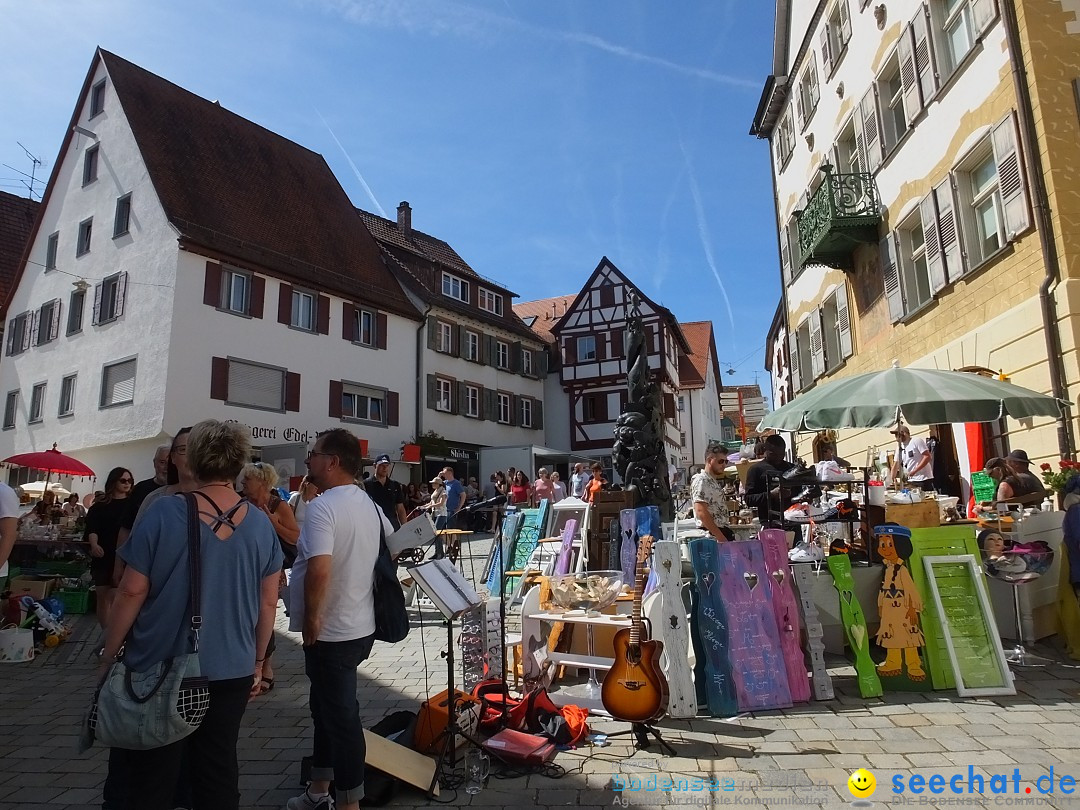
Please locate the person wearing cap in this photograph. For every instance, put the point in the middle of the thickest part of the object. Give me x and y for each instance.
(899, 605)
(1027, 489)
(914, 457)
(1011, 488)
(437, 504)
(386, 492)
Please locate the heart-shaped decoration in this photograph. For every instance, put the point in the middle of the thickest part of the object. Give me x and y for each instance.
(858, 633)
(709, 579)
(751, 579)
(779, 574)
(848, 596)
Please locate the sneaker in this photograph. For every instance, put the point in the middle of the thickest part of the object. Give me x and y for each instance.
(305, 802)
(806, 552)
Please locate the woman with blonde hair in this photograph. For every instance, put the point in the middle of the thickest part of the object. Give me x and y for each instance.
(257, 480)
(240, 565)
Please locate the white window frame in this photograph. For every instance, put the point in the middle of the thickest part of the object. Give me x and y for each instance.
(52, 247)
(455, 287)
(472, 401)
(446, 337)
(835, 36)
(950, 22)
(893, 117)
(526, 412)
(785, 139)
(502, 354)
(90, 164)
(472, 346)
(304, 301)
(444, 394)
(122, 217)
(86, 235)
(586, 348)
(104, 401)
(974, 199)
(11, 409)
(526, 362)
(490, 302)
(365, 404)
(504, 407)
(808, 94)
(37, 403)
(361, 317)
(19, 327)
(109, 306)
(235, 283)
(68, 387)
(233, 395)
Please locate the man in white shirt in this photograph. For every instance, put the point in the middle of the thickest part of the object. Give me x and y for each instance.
(578, 481)
(707, 493)
(9, 520)
(332, 602)
(915, 458)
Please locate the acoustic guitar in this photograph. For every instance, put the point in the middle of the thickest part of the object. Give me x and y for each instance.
(635, 689)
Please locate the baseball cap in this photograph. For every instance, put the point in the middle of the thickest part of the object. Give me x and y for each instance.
(899, 430)
(383, 459)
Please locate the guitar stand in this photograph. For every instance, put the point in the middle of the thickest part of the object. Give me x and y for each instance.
(641, 732)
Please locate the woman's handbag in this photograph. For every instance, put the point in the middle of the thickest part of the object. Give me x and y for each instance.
(152, 709)
(391, 617)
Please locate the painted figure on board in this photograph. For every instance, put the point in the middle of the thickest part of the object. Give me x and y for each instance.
(899, 605)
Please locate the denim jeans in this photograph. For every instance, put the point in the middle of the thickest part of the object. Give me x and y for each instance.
(339, 749)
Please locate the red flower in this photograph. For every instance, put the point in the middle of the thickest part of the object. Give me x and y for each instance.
(1045, 467)
(1065, 464)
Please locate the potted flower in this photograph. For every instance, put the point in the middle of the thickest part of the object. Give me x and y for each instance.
(1056, 480)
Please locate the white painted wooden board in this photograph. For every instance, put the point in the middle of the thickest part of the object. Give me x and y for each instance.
(673, 629)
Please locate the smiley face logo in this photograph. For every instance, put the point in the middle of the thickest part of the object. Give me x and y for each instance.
(862, 784)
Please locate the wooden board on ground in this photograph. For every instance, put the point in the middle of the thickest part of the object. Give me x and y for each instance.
(851, 614)
(820, 680)
(532, 528)
(409, 766)
(711, 621)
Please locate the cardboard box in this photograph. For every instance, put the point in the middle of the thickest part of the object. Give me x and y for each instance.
(37, 587)
(923, 515)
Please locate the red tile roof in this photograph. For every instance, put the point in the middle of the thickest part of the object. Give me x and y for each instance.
(234, 187)
(543, 314)
(16, 221)
(693, 367)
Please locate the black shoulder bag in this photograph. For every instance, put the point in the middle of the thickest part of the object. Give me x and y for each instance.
(391, 617)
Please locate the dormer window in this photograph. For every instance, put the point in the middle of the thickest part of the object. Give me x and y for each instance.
(454, 287)
(491, 302)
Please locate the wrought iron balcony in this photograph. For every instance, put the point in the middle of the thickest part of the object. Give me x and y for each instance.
(842, 213)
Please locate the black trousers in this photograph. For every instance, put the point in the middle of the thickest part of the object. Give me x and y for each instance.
(213, 773)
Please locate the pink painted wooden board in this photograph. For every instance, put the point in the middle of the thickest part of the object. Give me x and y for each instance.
(774, 544)
(757, 661)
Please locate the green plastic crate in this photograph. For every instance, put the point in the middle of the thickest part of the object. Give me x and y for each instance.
(74, 601)
(984, 487)
(64, 568)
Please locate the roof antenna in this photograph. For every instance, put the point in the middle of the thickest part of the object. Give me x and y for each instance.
(32, 177)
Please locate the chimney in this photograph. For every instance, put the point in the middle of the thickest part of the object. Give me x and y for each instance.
(404, 219)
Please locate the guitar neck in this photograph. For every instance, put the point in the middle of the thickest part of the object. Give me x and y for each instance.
(639, 588)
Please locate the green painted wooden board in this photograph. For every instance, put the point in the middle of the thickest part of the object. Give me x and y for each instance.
(851, 613)
(533, 523)
(937, 541)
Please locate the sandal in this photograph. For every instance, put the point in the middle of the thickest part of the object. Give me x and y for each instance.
(265, 685)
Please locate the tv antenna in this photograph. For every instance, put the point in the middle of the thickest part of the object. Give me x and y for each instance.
(31, 179)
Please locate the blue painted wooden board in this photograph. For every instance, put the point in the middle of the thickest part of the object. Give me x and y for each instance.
(757, 662)
(648, 523)
(711, 621)
(774, 544)
(533, 522)
(510, 526)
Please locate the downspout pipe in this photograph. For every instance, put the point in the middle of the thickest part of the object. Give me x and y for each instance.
(1044, 224)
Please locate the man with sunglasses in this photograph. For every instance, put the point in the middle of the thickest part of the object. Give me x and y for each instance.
(332, 603)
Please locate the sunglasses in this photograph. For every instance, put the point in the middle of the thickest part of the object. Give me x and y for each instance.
(125, 480)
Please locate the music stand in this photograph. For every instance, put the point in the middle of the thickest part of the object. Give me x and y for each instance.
(447, 594)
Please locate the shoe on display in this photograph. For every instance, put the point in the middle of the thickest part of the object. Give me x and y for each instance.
(306, 802)
(806, 552)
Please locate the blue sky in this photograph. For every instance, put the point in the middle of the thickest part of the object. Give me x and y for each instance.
(534, 137)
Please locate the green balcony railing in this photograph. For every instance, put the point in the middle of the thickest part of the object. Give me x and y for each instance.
(844, 212)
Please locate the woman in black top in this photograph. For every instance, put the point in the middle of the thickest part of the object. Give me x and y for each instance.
(103, 521)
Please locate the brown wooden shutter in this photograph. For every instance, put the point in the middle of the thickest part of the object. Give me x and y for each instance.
(515, 357)
(568, 351)
(393, 407)
(481, 402)
(348, 321)
(380, 334)
(292, 391)
(432, 392)
(219, 378)
(335, 399)
(212, 285)
(258, 294)
(607, 295)
(538, 414)
(455, 340)
(324, 315)
(284, 304)
(669, 405)
(617, 343)
(601, 345)
(432, 333)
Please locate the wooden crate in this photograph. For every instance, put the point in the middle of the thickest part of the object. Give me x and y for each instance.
(924, 515)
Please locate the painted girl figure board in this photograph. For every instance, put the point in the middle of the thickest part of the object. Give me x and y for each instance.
(899, 605)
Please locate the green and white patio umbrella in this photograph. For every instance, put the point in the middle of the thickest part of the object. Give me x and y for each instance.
(921, 396)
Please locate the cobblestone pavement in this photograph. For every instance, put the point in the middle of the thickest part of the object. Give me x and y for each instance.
(800, 757)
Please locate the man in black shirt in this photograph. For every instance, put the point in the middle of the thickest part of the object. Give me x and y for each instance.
(769, 502)
(386, 492)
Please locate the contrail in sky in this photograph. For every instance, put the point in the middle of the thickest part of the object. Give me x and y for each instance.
(699, 211)
(356, 171)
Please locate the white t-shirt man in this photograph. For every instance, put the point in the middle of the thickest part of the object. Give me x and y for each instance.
(9, 508)
(343, 523)
(578, 482)
(911, 453)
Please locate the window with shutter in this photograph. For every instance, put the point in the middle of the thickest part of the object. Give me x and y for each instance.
(817, 346)
(235, 291)
(67, 395)
(109, 298)
(1014, 200)
(255, 385)
(472, 401)
(538, 414)
(444, 395)
(893, 294)
(793, 361)
(502, 354)
(76, 304)
(526, 407)
(504, 406)
(868, 111)
(935, 257)
(122, 218)
(118, 384)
